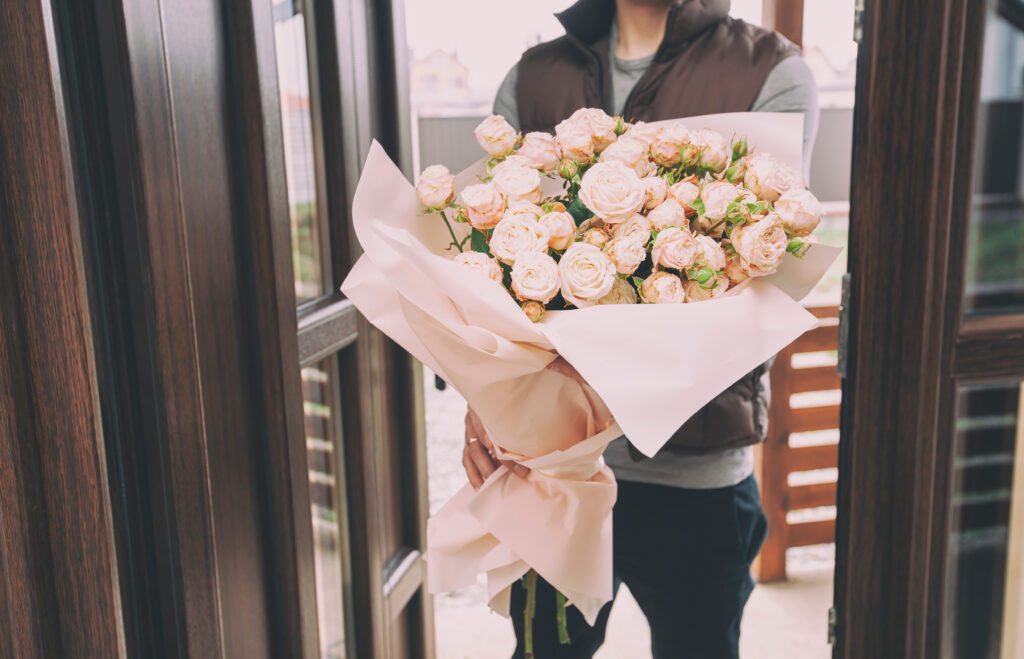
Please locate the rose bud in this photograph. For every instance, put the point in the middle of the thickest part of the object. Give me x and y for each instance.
(655, 191)
(620, 125)
(690, 156)
(436, 187)
(740, 148)
(627, 253)
(674, 248)
(554, 207)
(561, 229)
(596, 237)
(736, 171)
(622, 293)
(534, 310)
(798, 247)
(540, 150)
(496, 136)
(535, 277)
(800, 212)
(663, 288)
(479, 263)
(568, 168)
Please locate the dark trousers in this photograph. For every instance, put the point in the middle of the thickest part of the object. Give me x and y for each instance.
(685, 556)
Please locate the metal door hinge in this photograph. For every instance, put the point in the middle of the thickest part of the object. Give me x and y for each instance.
(858, 21)
(844, 326)
(832, 625)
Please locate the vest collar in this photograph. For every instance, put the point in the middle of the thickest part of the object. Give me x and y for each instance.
(589, 20)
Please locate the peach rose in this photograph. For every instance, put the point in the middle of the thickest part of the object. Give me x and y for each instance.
(709, 254)
(574, 141)
(484, 205)
(612, 191)
(622, 293)
(535, 277)
(643, 131)
(716, 197)
(760, 245)
(436, 187)
(715, 149)
(655, 191)
(674, 248)
(516, 234)
(540, 150)
(697, 293)
(627, 253)
(524, 208)
(533, 310)
(601, 126)
(597, 237)
(631, 152)
(496, 136)
(663, 288)
(480, 263)
(561, 229)
(768, 177)
(685, 192)
(800, 211)
(670, 213)
(637, 226)
(734, 269)
(517, 181)
(668, 142)
(587, 274)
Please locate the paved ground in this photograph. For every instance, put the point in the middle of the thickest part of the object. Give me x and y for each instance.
(785, 620)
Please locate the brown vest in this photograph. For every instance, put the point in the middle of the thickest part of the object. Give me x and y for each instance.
(707, 63)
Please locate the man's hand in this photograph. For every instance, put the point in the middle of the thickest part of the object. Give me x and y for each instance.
(478, 457)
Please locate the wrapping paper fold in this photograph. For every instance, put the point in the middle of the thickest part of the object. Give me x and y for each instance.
(648, 367)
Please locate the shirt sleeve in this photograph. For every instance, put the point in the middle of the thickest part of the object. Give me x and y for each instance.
(505, 101)
(790, 87)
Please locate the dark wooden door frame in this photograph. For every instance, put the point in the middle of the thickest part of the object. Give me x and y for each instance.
(917, 99)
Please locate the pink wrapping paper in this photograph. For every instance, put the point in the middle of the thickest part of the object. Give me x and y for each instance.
(648, 367)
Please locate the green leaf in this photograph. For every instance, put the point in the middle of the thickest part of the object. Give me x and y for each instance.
(698, 205)
(478, 241)
(638, 282)
(579, 212)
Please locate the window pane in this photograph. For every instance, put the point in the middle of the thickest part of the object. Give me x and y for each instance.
(995, 252)
(986, 551)
(322, 450)
(300, 168)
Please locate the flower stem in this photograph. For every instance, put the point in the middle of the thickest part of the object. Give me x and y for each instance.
(563, 627)
(531, 607)
(455, 241)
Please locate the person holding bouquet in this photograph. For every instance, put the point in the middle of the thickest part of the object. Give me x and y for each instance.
(688, 522)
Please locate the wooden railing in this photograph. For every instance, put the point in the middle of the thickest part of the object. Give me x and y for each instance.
(777, 458)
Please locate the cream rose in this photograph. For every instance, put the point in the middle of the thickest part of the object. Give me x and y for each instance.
(669, 213)
(574, 141)
(800, 211)
(479, 263)
(768, 177)
(496, 136)
(668, 142)
(716, 197)
(612, 191)
(674, 248)
(436, 187)
(535, 277)
(561, 229)
(631, 152)
(484, 205)
(697, 293)
(517, 181)
(655, 191)
(524, 208)
(663, 288)
(715, 149)
(627, 253)
(540, 150)
(734, 269)
(622, 293)
(643, 131)
(517, 234)
(709, 254)
(601, 126)
(637, 226)
(685, 192)
(760, 245)
(587, 274)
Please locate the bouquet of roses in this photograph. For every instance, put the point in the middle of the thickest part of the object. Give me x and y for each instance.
(573, 228)
(645, 214)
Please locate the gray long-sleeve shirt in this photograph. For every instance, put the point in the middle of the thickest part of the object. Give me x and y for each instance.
(789, 87)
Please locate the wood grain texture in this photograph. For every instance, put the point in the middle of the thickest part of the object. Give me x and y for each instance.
(56, 540)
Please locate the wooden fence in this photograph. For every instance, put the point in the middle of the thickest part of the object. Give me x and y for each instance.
(778, 459)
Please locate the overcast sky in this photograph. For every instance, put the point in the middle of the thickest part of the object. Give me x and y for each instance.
(490, 35)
